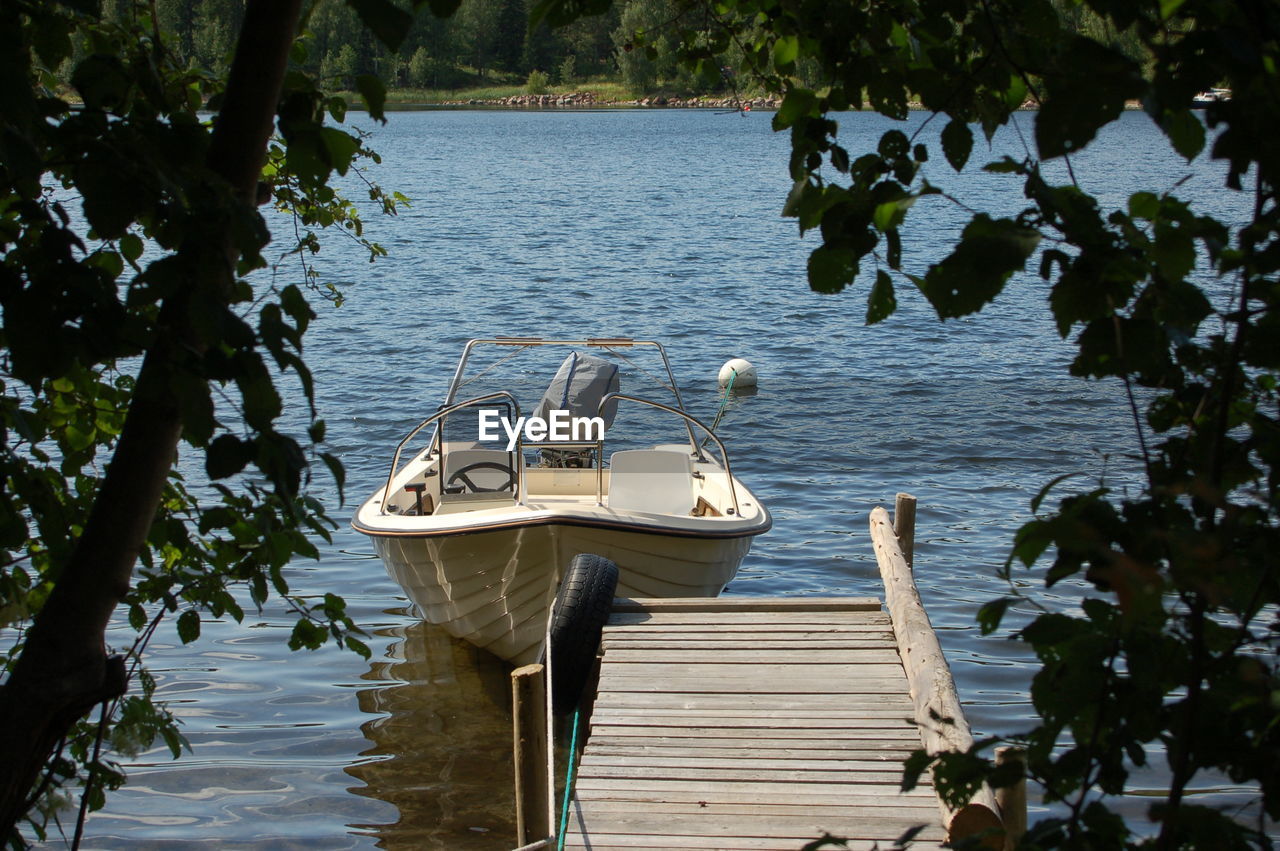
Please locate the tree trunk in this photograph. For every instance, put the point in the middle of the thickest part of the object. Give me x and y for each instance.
(64, 670)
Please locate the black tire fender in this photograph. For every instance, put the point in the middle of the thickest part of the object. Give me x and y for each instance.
(578, 616)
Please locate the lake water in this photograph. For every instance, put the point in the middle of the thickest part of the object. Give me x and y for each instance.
(650, 224)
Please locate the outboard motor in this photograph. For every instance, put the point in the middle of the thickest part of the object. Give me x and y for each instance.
(579, 385)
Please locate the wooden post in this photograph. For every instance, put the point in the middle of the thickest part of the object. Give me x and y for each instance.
(529, 734)
(933, 691)
(1012, 800)
(904, 526)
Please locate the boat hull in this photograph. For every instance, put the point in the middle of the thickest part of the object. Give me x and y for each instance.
(494, 588)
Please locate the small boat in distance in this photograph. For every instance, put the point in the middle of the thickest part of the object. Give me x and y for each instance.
(479, 526)
(1212, 96)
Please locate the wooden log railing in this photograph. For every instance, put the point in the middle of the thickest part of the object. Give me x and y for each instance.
(937, 709)
(529, 734)
(534, 749)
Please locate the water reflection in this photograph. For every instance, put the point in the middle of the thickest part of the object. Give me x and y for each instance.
(441, 734)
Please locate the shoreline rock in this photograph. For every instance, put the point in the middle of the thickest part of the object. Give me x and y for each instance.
(589, 99)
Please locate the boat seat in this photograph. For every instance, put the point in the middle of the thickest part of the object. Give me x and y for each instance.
(658, 481)
(490, 471)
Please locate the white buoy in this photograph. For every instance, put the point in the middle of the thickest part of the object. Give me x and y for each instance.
(740, 372)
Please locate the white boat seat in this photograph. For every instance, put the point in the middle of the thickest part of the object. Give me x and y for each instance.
(479, 471)
(652, 480)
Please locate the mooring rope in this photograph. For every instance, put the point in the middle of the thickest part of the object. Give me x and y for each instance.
(724, 404)
(568, 783)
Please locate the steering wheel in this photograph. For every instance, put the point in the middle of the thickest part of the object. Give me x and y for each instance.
(461, 475)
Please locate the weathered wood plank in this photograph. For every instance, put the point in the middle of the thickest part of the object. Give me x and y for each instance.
(739, 737)
(729, 605)
(697, 843)
(816, 672)
(874, 625)
(708, 643)
(764, 726)
(892, 752)
(798, 717)
(746, 790)
(731, 827)
(747, 726)
(750, 618)
(714, 765)
(803, 656)
(882, 774)
(762, 701)
(845, 805)
(835, 735)
(744, 685)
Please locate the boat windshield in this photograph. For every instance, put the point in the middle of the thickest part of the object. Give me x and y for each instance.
(573, 376)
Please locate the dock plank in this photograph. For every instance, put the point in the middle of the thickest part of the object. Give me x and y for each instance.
(745, 724)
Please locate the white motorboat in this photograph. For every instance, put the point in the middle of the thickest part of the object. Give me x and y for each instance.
(479, 528)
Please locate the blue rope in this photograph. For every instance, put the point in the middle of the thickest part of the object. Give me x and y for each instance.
(568, 783)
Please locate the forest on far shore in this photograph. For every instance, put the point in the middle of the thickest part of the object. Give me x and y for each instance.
(487, 43)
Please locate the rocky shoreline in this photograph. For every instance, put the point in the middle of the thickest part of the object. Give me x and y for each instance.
(589, 99)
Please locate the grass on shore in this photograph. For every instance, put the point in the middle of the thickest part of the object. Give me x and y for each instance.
(604, 90)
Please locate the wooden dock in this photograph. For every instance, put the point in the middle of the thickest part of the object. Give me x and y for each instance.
(760, 723)
(740, 723)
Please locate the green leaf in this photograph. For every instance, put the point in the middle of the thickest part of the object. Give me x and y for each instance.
(103, 82)
(341, 146)
(1016, 94)
(992, 613)
(440, 8)
(957, 143)
(374, 94)
(808, 202)
(1144, 205)
(1004, 165)
(307, 634)
(1052, 629)
(338, 108)
(384, 19)
(189, 626)
(227, 455)
(557, 13)
(357, 646)
(1043, 493)
(990, 250)
(894, 145)
(797, 103)
(893, 249)
(337, 471)
(881, 303)
(1174, 251)
(108, 261)
(831, 269)
(1086, 87)
(131, 247)
(1185, 131)
(1031, 540)
(785, 51)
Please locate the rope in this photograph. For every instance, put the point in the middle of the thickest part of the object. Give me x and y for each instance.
(661, 382)
(568, 782)
(489, 368)
(724, 404)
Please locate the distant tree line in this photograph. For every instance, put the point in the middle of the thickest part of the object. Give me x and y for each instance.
(487, 41)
